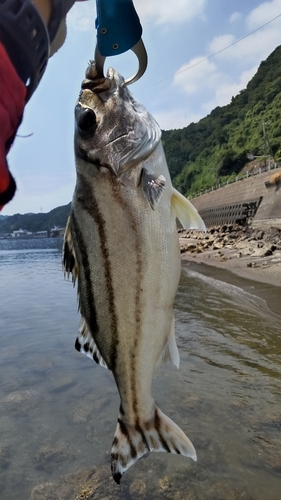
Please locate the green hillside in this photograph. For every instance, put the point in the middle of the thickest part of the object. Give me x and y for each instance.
(35, 222)
(218, 145)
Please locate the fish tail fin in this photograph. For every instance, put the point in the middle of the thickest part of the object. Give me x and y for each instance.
(158, 434)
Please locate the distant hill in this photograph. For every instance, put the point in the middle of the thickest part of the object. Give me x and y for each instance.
(35, 222)
(218, 145)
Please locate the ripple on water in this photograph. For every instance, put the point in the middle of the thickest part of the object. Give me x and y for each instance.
(58, 410)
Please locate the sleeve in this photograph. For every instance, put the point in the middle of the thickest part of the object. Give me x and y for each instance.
(12, 102)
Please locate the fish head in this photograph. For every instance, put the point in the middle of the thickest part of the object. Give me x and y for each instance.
(112, 130)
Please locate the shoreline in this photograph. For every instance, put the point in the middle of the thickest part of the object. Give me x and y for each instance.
(241, 256)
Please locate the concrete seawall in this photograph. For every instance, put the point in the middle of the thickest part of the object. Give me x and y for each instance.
(256, 197)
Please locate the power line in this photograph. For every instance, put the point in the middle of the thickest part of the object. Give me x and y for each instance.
(211, 55)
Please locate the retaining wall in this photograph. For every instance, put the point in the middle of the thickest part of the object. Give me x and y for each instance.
(234, 201)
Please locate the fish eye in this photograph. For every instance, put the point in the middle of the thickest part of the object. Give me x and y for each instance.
(86, 120)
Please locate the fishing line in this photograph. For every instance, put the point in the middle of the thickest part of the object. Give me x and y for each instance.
(208, 57)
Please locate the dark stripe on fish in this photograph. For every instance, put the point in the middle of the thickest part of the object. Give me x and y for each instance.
(90, 205)
(157, 425)
(85, 267)
(124, 431)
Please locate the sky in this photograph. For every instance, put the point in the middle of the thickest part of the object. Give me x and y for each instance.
(188, 75)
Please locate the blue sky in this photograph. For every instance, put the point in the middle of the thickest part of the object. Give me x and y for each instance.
(177, 35)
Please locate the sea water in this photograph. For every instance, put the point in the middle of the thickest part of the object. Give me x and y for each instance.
(58, 409)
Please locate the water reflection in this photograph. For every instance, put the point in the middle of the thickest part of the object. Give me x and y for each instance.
(58, 410)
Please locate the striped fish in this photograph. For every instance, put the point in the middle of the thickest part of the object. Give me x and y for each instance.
(121, 245)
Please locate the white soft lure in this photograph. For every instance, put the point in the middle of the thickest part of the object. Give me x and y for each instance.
(121, 245)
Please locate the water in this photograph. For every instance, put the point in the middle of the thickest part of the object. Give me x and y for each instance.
(58, 409)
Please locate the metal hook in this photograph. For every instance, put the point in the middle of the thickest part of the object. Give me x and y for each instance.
(138, 49)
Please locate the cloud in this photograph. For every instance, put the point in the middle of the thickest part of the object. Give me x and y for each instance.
(176, 118)
(220, 42)
(236, 16)
(256, 47)
(196, 75)
(82, 17)
(226, 89)
(169, 11)
(263, 13)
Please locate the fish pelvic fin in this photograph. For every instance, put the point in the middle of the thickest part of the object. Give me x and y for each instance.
(158, 434)
(69, 261)
(186, 212)
(170, 351)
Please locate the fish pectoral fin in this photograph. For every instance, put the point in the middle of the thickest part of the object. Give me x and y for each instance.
(69, 261)
(186, 212)
(158, 434)
(152, 186)
(86, 344)
(170, 351)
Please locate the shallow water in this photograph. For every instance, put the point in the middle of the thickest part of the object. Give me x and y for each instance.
(58, 409)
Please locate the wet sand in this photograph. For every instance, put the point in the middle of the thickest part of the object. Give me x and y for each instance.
(242, 256)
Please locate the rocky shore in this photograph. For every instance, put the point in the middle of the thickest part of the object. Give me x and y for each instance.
(250, 253)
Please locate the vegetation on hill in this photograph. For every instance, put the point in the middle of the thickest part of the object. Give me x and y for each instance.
(35, 222)
(218, 146)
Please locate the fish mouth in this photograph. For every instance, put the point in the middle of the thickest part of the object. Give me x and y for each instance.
(103, 86)
(97, 86)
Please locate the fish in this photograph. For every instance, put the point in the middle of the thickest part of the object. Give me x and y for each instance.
(121, 246)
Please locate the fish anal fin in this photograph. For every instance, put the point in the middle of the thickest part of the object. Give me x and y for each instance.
(86, 344)
(158, 434)
(69, 261)
(186, 212)
(170, 351)
(152, 186)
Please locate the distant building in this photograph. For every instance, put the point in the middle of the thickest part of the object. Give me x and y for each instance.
(21, 233)
(40, 234)
(56, 231)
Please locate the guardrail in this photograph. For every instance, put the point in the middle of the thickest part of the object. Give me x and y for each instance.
(237, 178)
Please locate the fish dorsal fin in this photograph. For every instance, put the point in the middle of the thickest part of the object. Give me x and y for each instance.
(152, 186)
(186, 212)
(86, 344)
(170, 351)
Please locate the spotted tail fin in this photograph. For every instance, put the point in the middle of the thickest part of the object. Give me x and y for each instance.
(132, 442)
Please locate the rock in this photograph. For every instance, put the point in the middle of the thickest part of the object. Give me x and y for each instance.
(138, 487)
(92, 484)
(82, 412)
(42, 366)
(217, 245)
(48, 457)
(19, 400)
(269, 251)
(227, 490)
(63, 384)
(5, 456)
